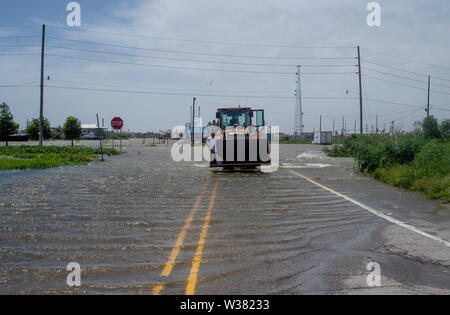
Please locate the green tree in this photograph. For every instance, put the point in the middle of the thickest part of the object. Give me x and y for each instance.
(7, 125)
(445, 129)
(431, 128)
(72, 129)
(33, 129)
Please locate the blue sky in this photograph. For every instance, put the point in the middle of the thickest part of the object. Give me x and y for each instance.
(28, 11)
(412, 30)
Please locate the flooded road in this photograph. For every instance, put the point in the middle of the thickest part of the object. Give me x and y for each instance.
(143, 224)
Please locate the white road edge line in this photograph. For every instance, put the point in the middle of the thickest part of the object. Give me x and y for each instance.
(375, 212)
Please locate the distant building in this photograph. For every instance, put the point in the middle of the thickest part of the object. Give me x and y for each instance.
(57, 132)
(92, 130)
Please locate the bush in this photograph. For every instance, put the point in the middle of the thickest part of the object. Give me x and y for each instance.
(33, 129)
(434, 159)
(28, 157)
(445, 129)
(431, 128)
(406, 160)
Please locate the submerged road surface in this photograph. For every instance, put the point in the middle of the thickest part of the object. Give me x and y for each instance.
(143, 224)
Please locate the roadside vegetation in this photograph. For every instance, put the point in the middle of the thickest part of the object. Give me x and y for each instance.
(7, 125)
(295, 142)
(32, 157)
(72, 129)
(419, 161)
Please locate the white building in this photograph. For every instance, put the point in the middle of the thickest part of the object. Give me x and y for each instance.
(91, 129)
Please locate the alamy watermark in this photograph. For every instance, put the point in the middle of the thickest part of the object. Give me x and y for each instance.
(259, 145)
(74, 17)
(374, 17)
(74, 277)
(374, 278)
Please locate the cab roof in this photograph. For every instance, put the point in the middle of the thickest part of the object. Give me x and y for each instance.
(233, 108)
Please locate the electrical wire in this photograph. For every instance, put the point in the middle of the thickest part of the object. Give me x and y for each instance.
(405, 85)
(192, 60)
(406, 59)
(195, 68)
(196, 53)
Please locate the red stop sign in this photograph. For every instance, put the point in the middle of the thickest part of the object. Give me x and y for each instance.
(117, 123)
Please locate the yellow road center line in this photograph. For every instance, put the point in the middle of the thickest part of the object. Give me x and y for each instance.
(180, 239)
(157, 288)
(373, 211)
(192, 280)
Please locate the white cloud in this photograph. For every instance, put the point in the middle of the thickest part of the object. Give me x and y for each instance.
(414, 29)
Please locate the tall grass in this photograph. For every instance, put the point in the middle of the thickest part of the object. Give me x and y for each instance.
(31, 157)
(409, 161)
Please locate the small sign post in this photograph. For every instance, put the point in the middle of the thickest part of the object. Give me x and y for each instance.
(117, 124)
(100, 137)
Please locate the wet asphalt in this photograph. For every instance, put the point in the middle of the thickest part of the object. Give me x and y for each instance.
(247, 233)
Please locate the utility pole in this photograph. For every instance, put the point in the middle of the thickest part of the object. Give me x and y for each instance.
(298, 124)
(41, 112)
(360, 92)
(100, 136)
(320, 124)
(333, 126)
(354, 131)
(428, 103)
(193, 121)
(376, 124)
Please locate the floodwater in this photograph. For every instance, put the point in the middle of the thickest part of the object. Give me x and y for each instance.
(268, 233)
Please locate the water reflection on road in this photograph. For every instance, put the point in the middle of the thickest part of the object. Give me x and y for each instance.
(269, 232)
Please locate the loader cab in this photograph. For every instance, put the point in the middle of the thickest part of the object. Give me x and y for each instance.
(244, 140)
(240, 117)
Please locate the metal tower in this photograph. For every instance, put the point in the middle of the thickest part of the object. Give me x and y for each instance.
(298, 123)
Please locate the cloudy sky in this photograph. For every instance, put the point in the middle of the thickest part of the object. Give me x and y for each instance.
(144, 60)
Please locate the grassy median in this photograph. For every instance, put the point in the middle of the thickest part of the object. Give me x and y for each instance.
(409, 161)
(33, 157)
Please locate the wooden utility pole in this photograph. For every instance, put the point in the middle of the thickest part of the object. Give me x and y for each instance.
(360, 92)
(193, 121)
(41, 111)
(428, 102)
(100, 137)
(376, 124)
(333, 125)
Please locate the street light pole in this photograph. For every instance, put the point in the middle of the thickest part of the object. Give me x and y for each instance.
(41, 112)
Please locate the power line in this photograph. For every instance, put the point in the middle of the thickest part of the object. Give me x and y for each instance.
(17, 37)
(169, 67)
(391, 103)
(406, 59)
(19, 54)
(401, 118)
(403, 77)
(437, 78)
(167, 88)
(442, 108)
(395, 68)
(17, 86)
(133, 35)
(405, 85)
(19, 45)
(194, 68)
(394, 75)
(191, 60)
(197, 53)
(188, 94)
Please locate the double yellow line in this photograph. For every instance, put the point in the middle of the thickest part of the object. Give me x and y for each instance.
(192, 279)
